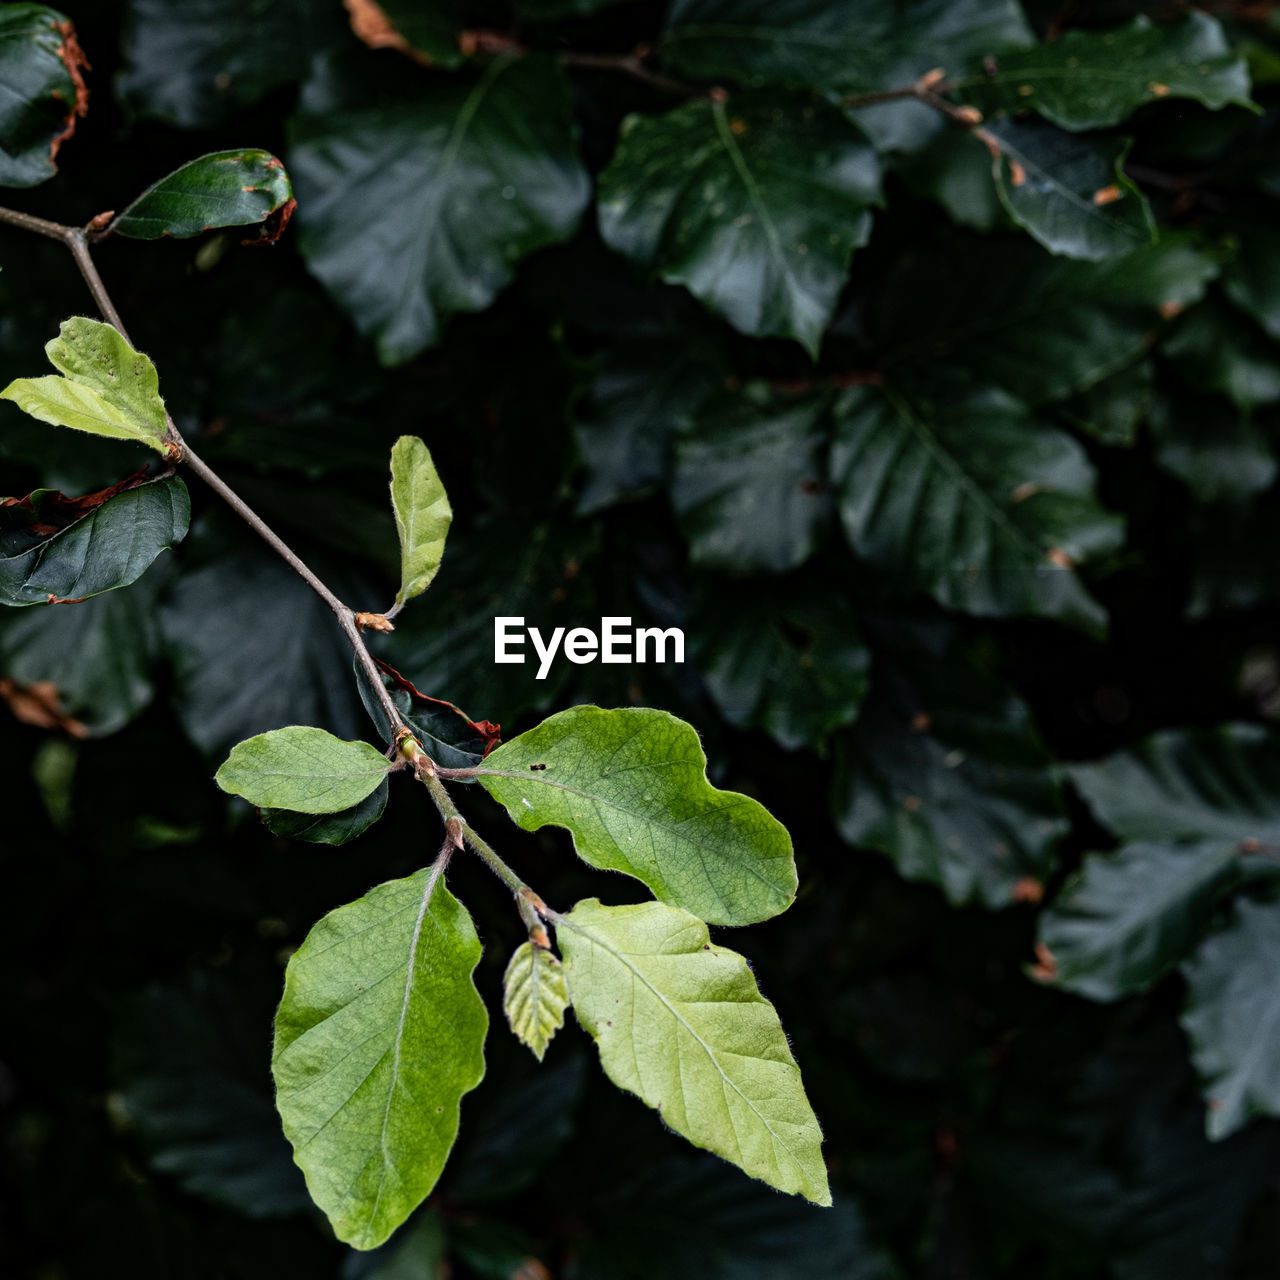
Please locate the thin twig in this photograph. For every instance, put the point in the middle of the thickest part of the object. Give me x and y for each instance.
(77, 242)
(929, 90)
(633, 65)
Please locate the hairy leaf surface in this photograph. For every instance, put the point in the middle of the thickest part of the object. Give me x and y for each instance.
(631, 787)
(534, 997)
(380, 1033)
(223, 189)
(303, 769)
(680, 1023)
(755, 205)
(422, 513)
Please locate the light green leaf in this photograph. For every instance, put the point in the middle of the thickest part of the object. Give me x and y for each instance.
(225, 189)
(970, 499)
(107, 388)
(422, 512)
(760, 214)
(534, 996)
(378, 1036)
(1127, 918)
(41, 105)
(679, 1022)
(303, 769)
(1070, 193)
(1095, 79)
(631, 786)
(1232, 1017)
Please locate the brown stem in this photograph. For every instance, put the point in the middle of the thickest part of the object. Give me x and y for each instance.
(77, 242)
(633, 65)
(927, 90)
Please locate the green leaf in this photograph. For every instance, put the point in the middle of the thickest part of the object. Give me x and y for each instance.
(419, 196)
(1111, 410)
(38, 57)
(223, 189)
(1129, 917)
(1003, 311)
(971, 500)
(534, 996)
(422, 513)
(748, 484)
(799, 672)
(1204, 784)
(1252, 278)
(1095, 79)
(302, 769)
(431, 30)
(679, 1022)
(945, 773)
(1232, 1017)
(759, 218)
(631, 786)
(1070, 193)
(110, 547)
(1220, 452)
(194, 63)
(1219, 349)
(328, 828)
(849, 47)
(107, 388)
(378, 1036)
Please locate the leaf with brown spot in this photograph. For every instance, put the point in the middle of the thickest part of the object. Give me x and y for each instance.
(426, 34)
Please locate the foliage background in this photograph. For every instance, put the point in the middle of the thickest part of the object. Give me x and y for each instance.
(910, 728)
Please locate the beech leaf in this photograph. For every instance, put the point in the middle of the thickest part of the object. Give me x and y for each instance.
(631, 786)
(303, 769)
(422, 513)
(534, 996)
(378, 1036)
(679, 1022)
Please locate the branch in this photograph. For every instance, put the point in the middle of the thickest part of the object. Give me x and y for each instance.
(76, 240)
(928, 90)
(634, 65)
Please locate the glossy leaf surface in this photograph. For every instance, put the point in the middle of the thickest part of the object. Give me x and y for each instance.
(680, 1022)
(38, 52)
(631, 787)
(378, 1036)
(223, 189)
(756, 206)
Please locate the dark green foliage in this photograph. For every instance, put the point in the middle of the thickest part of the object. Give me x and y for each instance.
(957, 468)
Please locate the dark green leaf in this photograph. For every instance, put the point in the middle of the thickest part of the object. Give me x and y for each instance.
(1218, 348)
(680, 1023)
(1070, 193)
(955, 169)
(748, 484)
(1129, 917)
(631, 785)
(1093, 79)
(1043, 327)
(110, 547)
(1233, 1017)
(755, 205)
(193, 63)
(328, 828)
(418, 199)
(1111, 410)
(223, 189)
(973, 501)
(945, 773)
(846, 48)
(188, 1066)
(378, 1036)
(98, 655)
(799, 672)
(1204, 784)
(643, 394)
(1252, 278)
(1221, 452)
(39, 57)
(430, 30)
(692, 1219)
